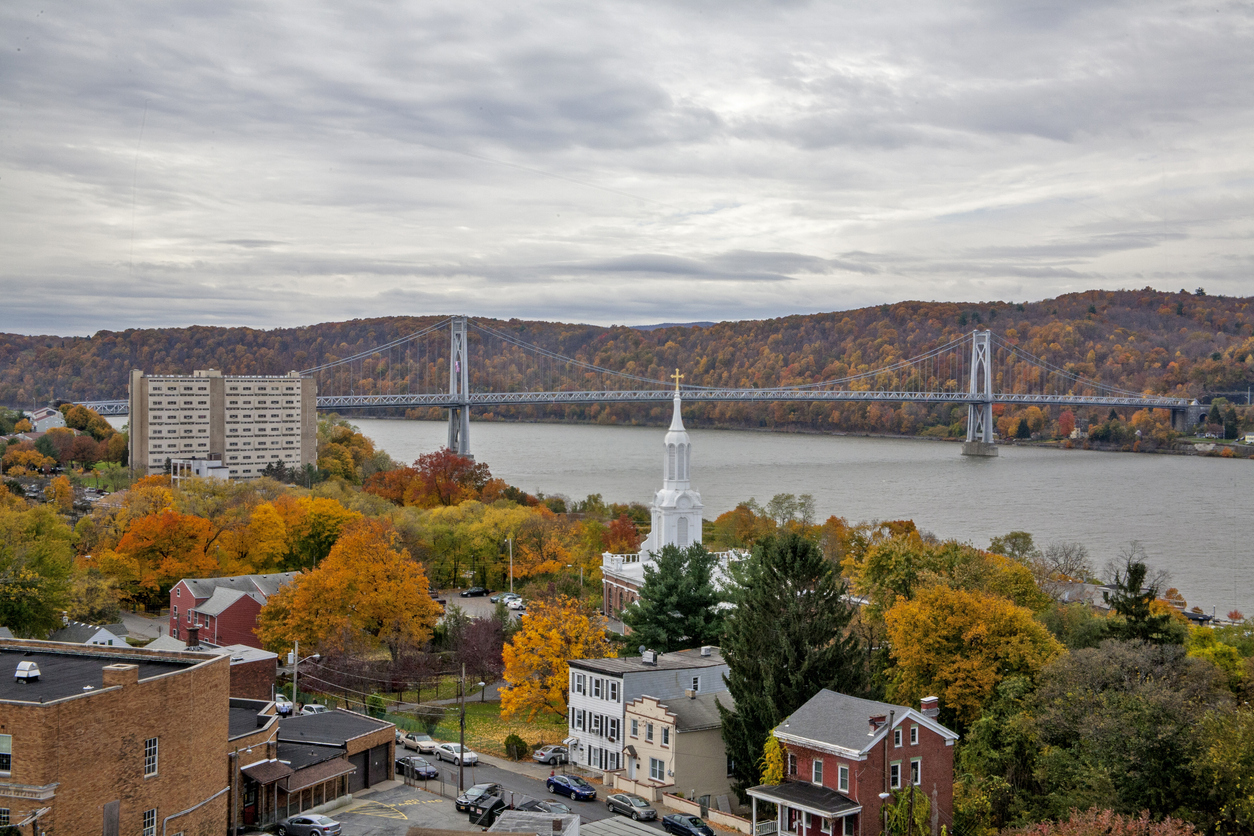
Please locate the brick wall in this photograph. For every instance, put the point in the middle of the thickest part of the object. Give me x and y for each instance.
(254, 680)
(235, 625)
(92, 744)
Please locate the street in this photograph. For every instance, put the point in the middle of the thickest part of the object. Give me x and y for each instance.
(390, 812)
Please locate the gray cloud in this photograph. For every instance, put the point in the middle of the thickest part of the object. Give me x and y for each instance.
(271, 165)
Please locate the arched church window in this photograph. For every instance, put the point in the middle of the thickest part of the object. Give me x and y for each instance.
(687, 461)
(683, 532)
(670, 462)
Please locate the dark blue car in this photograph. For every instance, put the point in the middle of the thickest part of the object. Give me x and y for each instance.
(682, 825)
(572, 786)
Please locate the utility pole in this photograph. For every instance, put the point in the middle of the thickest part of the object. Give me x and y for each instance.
(461, 756)
(511, 564)
(295, 671)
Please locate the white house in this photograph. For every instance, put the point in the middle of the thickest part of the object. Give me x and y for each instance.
(76, 632)
(600, 690)
(44, 419)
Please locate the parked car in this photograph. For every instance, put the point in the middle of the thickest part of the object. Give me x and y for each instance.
(545, 807)
(571, 786)
(417, 741)
(516, 604)
(551, 755)
(475, 592)
(630, 805)
(455, 753)
(314, 708)
(474, 793)
(416, 767)
(503, 596)
(682, 825)
(308, 826)
(283, 706)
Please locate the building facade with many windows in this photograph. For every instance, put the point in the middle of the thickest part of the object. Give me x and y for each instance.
(600, 690)
(247, 422)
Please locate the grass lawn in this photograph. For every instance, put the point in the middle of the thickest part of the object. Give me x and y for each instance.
(486, 731)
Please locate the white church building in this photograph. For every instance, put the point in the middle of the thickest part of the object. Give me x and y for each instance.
(676, 521)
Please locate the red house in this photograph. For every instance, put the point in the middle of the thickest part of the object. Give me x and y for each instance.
(845, 756)
(225, 609)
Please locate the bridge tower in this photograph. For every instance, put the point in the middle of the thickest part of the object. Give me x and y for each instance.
(459, 390)
(980, 407)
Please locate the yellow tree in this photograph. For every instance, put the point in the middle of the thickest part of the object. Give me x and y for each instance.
(313, 524)
(61, 492)
(537, 675)
(366, 590)
(545, 544)
(958, 645)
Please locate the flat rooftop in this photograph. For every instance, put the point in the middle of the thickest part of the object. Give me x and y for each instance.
(67, 673)
(677, 660)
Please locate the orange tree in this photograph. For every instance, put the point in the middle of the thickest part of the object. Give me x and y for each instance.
(156, 551)
(537, 675)
(958, 645)
(367, 591)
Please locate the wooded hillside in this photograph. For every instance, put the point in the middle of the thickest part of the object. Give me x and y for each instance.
(1170, 343)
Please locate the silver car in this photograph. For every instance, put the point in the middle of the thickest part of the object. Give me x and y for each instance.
(550, 754)
(455, 753)
(309, 826)
(630, 805)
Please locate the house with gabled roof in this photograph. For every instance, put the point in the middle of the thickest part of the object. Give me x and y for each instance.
(224, 609)
(76, 632)
(846, 755)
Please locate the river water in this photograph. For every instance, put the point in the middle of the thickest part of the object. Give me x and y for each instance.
(1194, 516)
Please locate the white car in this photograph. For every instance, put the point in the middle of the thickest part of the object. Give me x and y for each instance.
(314, 708)
(516, 604)
(282, 705)
(455, 753)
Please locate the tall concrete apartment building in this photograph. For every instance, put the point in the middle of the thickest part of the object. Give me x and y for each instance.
(246, 422)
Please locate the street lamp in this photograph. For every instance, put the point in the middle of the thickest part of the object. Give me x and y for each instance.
(483, 690)
(295, 660)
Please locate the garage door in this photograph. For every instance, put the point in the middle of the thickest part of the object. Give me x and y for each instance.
(359, 779)
(378, 764)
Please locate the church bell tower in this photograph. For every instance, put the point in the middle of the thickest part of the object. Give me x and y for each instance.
(676, 507)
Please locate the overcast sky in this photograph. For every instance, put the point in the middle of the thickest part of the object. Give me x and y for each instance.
(284, 163)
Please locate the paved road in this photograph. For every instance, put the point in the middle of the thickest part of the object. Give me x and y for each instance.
(389, 812)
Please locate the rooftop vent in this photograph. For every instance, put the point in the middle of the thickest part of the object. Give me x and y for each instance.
(649, 657)
(707, 650)
(26, 672)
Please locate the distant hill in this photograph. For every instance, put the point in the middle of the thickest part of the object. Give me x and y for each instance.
(672, 325)
(1170, 343)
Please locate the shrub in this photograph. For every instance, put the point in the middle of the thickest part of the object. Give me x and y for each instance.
(1107, 823)
(516, 747)
(375, 706)
(428, 717)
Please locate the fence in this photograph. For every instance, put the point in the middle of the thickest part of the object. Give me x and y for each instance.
(725, 821)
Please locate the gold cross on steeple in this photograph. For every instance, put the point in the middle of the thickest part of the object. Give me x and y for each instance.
(677, 376)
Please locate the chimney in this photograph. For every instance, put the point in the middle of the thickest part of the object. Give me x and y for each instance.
(120, 675)
(877, 720)
(193, 637)
(930, 706)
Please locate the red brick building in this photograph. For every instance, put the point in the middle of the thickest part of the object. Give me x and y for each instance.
(225, 609)
(843, 753)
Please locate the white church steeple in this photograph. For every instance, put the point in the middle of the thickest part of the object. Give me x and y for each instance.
(676, 507)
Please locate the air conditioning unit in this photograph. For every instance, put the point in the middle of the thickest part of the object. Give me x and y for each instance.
(649, 657)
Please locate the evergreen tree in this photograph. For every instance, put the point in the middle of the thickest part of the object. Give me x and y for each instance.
(678, 606)
(1131, 599)
(785, 640)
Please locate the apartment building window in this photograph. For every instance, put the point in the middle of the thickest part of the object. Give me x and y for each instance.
(578, 686)
(635, 728)
(150, 822)
(596, 723)
(849, 830)
(696, 683)
(648, 732)
(666, 735)
(792, 764)
(613, 690)
(914, 735)
(896, 737)
(6, 753)
(174, 612)
(816, 771)
(579, 720)
(842, 779)
(4, 816)
(894, 775)
(916, 771)
(825, 825)
(596, 687)
(611, 731)
(657, 770)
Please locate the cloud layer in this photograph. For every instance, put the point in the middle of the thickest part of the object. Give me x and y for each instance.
(286, 163)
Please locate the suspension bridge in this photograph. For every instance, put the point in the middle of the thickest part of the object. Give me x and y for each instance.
(460, 364)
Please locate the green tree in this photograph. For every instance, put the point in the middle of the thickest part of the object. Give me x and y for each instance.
(679, 605)
(36, 557)
(786, 638)
(1131, 599)
(1016, 544)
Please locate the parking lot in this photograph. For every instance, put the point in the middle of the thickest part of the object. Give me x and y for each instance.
(389, 812)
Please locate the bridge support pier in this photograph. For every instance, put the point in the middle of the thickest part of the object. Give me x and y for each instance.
(459, 390)
(980, 410)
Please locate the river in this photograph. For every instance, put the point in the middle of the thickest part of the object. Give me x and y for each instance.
(1193, 515)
